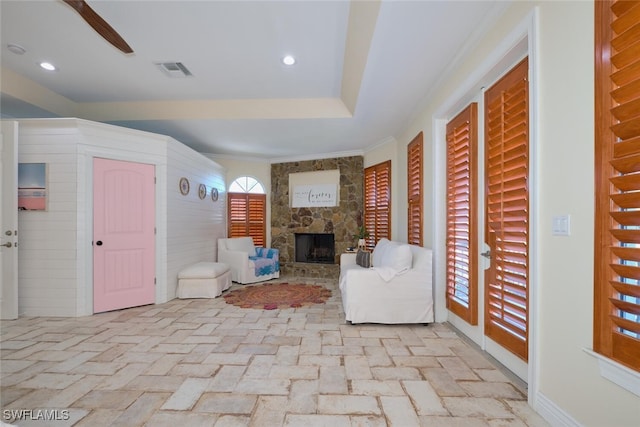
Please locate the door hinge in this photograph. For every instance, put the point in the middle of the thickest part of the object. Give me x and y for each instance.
(155, 180)
(155, 281)
(155, 230)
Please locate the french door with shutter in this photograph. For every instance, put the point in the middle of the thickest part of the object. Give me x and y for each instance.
(414, 190)
(462, 227)
(506, 287)
(505, 210)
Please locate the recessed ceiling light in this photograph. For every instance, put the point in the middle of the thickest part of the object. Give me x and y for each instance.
(288, 60)
(17, 49)
(48, 66)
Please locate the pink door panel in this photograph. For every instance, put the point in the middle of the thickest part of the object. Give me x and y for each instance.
(123, 234)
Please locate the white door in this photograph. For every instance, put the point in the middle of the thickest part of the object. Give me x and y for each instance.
(9, 220)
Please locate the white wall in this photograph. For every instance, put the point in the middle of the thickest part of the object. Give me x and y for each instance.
(55, 253)
(569, 377)
(193, 224)
(566, 385)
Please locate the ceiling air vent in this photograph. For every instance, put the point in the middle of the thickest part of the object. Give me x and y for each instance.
(174, 69)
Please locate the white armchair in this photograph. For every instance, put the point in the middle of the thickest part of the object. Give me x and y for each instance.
(249, 264)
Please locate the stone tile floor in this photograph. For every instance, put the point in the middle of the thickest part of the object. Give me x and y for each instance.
(202, 362)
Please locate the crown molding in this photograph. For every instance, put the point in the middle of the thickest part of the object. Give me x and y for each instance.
(317, 156)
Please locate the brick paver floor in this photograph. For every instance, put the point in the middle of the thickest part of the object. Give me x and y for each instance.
(201, 362)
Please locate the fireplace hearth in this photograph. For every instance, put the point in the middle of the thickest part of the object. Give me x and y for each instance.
(316, 248)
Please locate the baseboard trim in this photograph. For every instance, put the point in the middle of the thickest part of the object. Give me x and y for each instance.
(552, 412)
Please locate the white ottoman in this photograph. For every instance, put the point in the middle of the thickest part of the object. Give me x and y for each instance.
(204, 280)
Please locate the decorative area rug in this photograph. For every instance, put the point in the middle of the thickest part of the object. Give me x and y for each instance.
(277, 295)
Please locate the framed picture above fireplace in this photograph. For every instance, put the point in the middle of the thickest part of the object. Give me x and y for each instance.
(314, 189)
(321, 195)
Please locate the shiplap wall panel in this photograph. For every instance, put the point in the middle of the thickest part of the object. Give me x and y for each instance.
(55, 252)
(47, 239)
(117, 143)
(193, 224)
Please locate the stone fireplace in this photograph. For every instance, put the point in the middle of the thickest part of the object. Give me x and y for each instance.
(342, 221)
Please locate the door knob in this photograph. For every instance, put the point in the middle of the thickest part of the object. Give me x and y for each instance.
(7, 245)
(8, 233)
(99, 243)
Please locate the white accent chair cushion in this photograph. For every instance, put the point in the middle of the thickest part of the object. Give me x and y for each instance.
(379, 251)
(204, 280)
(397, 256)
(203, 270)
(242, 244)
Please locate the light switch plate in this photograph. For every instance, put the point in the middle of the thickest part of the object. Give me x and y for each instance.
(561, 225)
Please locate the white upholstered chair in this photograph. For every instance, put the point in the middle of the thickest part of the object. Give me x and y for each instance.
(396, 289)
(249, 264)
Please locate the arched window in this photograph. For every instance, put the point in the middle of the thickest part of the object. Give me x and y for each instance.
(247, 210)
(246, 184)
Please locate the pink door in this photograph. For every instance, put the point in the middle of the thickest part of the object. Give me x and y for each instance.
(123, 234)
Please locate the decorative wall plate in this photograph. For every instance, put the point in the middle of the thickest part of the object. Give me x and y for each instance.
(214, 194)
(184, 186)
(202, 191)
